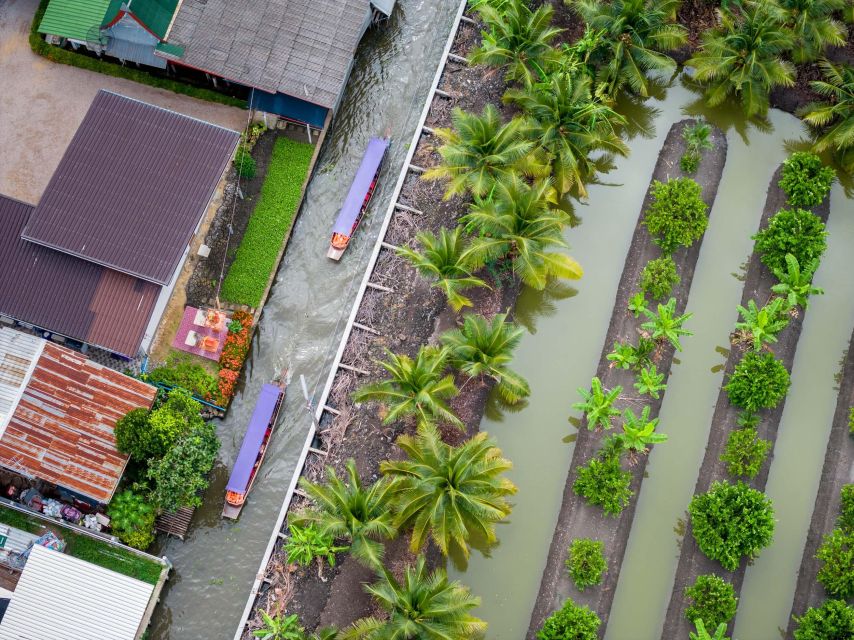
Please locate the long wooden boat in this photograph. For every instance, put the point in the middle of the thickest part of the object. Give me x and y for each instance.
(251, 454)
(358, 198)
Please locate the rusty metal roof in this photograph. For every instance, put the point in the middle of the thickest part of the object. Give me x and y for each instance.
(62, 430)
(132, 186)
(67, 295)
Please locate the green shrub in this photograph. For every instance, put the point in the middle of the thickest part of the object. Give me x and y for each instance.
(677, 216)
(571, 622)
(846, 508)
(794, 231)
(837, 571)
(745, 452)
(586, 562)
(805, 179)
(270, 223)
(730, 522)
(244, 163)
(759, 381)
(712, 600)
(833, 620)
(132, 519)
(181, 371)
(659, 277)
(689, 162)
(851, 421)
(604, 483)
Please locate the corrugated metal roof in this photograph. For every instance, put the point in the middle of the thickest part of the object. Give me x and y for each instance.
(59, 596)
(132, 186)
(63, 429)
(156, 15)
(75, 19)
(67, 295)
(130, 41)
(303, 48)
(19, 353)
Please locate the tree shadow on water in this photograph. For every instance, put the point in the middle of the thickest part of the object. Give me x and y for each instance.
(531, 305)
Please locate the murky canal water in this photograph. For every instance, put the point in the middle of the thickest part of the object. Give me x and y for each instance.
(302, 322)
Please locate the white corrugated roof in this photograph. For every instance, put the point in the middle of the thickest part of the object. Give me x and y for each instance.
(19, 353)
(59, 596)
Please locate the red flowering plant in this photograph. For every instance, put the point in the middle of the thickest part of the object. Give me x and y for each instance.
(234, 354)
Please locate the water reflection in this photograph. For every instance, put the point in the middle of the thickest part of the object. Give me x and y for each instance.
(729, 115)
(533, 305)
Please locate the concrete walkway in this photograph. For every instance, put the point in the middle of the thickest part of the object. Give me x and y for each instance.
(42, 103)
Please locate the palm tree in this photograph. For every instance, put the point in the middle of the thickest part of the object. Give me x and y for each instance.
(833, 121)
(484, 348)
(449, 492)
(480, 151)
(743, 57)
(796, 283)
(350, 510)
(666, 325)
(697, 137)
(570, 125)
(519, 221)
(763, 325)
(518, 40)
(441, 261)
(415, 388)
(423, 606)
(639, 431)
(635, 33)
(598, 404)
(812, 24)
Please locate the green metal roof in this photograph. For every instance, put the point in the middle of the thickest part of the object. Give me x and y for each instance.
(170, 49)
(154, 14)
(74, 19)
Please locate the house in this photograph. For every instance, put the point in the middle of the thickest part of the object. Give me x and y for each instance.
(96, 260)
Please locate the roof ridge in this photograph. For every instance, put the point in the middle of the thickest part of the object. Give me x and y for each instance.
(177, 113)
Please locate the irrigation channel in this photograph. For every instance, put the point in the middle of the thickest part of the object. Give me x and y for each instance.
(215, 566)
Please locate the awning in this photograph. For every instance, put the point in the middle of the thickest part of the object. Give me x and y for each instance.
(361, 184)
(264, 409)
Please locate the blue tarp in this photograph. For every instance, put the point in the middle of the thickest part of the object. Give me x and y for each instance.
(361, 183)
(264, 409)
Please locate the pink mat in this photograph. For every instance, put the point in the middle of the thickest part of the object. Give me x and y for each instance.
(192, 334)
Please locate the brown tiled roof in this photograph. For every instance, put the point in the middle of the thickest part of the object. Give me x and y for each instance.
(63, 429)
(67, 295)
(131, 187)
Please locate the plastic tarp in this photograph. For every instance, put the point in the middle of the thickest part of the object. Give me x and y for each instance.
(264, 409)
(361, 183)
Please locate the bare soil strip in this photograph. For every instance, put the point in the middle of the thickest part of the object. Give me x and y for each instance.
(838, 471)
(577, 519)
(692, 561)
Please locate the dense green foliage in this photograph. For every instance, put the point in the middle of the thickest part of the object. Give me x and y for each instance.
(813, 26)
(134, 437)
(307, 543)
(837, 570)
(603, 482)
(745, 452)
(132, 519)
(805, 180)
(791, 231)
(659, 277)
(832, 121)
(712, 600)
(677, 216)
(759, 381)
(244, 163)
(571, 622)
(846, 508)
(731, 522)
(180, 371)
(271, 221)
(586, 562)
(833, 620)
(147, 436)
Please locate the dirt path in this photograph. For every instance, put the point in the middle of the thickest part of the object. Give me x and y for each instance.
(692, 562)
(577, 519)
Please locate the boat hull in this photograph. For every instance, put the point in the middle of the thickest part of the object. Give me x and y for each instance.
(231, 512)
(334, 254)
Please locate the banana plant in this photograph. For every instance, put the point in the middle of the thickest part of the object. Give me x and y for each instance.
(666, 325)
(703, 634)
(650, 382)
(796, 282)
(624, 356)
(637, 303)
(639, 431)
(763, 325)
(598, 404)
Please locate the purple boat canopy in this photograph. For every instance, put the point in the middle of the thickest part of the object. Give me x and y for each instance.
(264, 409)
(361, 184)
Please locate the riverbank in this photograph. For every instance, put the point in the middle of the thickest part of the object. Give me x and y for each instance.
(757, 286)
(577, 519)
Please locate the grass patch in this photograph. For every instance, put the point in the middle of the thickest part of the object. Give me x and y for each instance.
(86, 548)
(277, 205)
(64, 56)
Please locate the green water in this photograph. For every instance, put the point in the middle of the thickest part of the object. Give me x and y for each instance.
(769, 585)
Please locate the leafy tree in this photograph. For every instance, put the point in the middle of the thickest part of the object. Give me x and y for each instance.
(148, 435)
(833, 121)
(423, 606)
(639, 431)
(650, 382)
(731, 522)
(305, 543)
(132, 519)
(833, 620)
(603, 482)
(677, 216)
(745, 452)
(666, 325)
(586, 562)
(449, 492)
(659, 277)
(415, 387)
(352, 511)
(571, 622)
(702, 634)
(519, 222)
(796, 283)
(134, 437)
(598, 405)
(712, 600)
(846, 508)
(441, 261)
(634, 35)
(743, 57)
(762, 325)
(759, 381)
(812, 24)
(805, 179)
(837, 570)
(794, 231)
(484, 348)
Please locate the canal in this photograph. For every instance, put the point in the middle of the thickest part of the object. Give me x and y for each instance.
(302, 322)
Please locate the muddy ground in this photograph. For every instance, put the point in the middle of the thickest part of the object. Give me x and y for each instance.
(757, 286)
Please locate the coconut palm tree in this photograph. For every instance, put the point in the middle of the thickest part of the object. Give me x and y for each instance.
(833, 121)
(352, 511)
(571, 126)
(480, 151)
(763, 325)
(743, 57)
(635, 33)
(598, 405)
(484, 348)
(639, 431)
(416, 387)
(441, 261)
(796, 282)
(423, 606)
(447, 492)
(520, 222)
(518, 40)
(812, 24)
(665, 324)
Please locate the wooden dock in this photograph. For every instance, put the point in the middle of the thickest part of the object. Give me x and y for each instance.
(175, 524)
